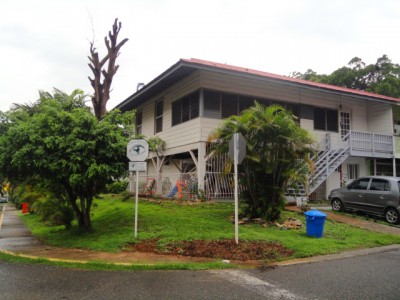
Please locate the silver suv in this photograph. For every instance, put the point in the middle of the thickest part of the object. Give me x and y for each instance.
(376, 195)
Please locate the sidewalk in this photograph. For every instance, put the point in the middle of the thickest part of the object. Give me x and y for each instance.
(15, 237)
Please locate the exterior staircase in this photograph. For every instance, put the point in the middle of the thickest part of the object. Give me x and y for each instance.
(328, 161)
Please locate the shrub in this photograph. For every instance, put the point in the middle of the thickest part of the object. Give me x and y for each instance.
(117, 186)
(55, 211)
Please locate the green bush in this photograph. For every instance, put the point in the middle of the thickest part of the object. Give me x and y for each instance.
(117, 187)
(54, 211)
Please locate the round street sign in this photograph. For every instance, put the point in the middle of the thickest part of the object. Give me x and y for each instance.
(137, 150)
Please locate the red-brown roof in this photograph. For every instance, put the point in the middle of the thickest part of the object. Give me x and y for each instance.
(288, 79)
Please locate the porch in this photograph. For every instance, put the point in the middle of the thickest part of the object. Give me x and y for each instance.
(368, 144)
(184, 186)
(218, 183)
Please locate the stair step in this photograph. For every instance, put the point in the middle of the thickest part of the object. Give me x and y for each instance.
(325, 164)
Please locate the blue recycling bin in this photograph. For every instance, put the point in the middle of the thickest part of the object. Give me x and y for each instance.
(315, 221)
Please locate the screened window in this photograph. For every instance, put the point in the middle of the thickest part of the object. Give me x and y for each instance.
(212, 104)
(185, 109)
(220, 105)
(159, 111)
(326, 119)
(138, 122)
(245, 103)
(229, 105)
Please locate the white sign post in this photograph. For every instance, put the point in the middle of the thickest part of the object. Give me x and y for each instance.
(237, 149)
(137, 151)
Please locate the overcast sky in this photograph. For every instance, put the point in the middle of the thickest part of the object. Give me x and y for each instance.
(45, 43)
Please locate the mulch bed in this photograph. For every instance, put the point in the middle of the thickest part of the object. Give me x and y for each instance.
(222, 249)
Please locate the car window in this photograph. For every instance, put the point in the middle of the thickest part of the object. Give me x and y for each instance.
(379, 185)
(360, 184)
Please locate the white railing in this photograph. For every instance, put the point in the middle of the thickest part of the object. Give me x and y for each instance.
(370, 142)
(219, 185)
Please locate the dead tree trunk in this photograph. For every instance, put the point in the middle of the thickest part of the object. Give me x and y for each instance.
(103, 76)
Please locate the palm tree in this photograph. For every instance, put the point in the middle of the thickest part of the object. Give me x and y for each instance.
(277, 154)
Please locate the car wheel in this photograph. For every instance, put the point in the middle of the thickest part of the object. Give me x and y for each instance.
(392, 216)
(337, 205)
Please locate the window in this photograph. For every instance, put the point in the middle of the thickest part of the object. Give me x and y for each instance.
(379, 185)
(326, 119)
(360, 184)
(245, 103)
(159, 111)
(352, 171)
(185, 109)
(221, 105)
(212, 104)
(229, 105)
(138, 121)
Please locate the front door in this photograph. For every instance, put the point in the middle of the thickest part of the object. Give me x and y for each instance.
(344, 123)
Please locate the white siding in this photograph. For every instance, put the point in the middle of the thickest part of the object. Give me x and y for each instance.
(332, 182)
(250, 87)
(365, 116)
(148, 118)
(380, 118)
(320, 99)
(207, 127)
(187, 133)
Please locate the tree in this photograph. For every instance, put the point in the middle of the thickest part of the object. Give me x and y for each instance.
(277, 154)
(102, 77)
(383, 77)
(63, 144)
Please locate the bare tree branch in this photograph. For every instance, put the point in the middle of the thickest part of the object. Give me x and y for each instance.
(102, 80)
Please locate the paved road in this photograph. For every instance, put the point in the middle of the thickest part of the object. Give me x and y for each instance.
(374, 276)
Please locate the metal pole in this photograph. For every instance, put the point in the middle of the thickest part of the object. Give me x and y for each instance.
(236, 154)
(136, 202)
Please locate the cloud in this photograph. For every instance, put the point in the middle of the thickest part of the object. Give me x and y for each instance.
(45, 43)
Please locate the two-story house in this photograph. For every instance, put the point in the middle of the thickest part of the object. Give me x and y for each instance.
(356, 131)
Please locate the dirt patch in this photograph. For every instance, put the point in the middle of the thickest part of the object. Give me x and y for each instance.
(223, 249)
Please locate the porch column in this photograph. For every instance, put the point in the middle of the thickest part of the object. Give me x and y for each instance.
(201, 165)
(374, 166)
(394, 167)
(158, 164)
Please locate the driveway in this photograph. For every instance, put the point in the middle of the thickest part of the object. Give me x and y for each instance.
(357, 222)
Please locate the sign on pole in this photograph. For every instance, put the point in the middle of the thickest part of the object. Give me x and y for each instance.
(138, 166)
(241, 147)
(237, 152)
(137, 151)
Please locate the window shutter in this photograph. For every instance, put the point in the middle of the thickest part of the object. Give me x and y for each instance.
(212, 105)
(319, 118)
(332, 123)
(176, 112)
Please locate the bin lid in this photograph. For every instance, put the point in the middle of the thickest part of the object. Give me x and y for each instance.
(315, 213)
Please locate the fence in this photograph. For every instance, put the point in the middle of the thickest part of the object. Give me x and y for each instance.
(185, 185)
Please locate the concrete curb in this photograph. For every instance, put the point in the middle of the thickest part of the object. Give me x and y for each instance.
(341, 255)
(69, 260)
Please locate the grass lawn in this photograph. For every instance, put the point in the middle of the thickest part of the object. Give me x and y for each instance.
(113, 222)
